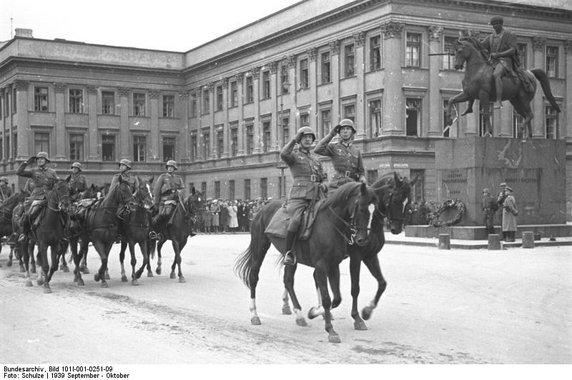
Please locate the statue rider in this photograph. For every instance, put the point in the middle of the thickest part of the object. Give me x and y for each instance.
(308, 184)
(166, 195)
(346, 158)
(44, 179)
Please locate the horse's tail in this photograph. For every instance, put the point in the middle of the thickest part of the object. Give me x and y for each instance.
(545, 83)
(250, 261)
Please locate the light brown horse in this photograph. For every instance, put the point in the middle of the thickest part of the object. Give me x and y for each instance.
(478, 83)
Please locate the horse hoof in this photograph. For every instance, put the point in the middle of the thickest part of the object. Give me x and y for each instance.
(29, 283)
(334, 338)
(366, 312)
(286, 310)
(47, 290)
(134, 282)
(158, 271)
(104, 284)
(172, 276)
(315, 312)
(40, 281)
(182, 280)
(64, 268)
(360, 325)
(84, 270)
(80, 282)
(96, 277)
(124, 278)
(107, 276)
(301, 322)
(22, 270)
(255, 321)
(149, 274)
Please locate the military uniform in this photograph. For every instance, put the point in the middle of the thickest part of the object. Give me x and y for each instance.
(165, 189)
(489, 207)
(77, 184)
(346, 159)
(5, 190)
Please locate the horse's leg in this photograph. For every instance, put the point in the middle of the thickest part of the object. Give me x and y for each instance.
(145, 253)
(133, 263)
(77, 258)
(84, 247)
(177, 260)
(522, 107)
(289, 271)
(372, 263)
(122, 258)
(321, 279)
(64, 265)
(10, 256)
(355, 267)
(103, 250)
(55, 251)
(44, 265)
(486, 109)
(25, 257)
(459, 98)
(286, 303)
(159, 261)
(31, 252)
(151, 247)
(257, 254)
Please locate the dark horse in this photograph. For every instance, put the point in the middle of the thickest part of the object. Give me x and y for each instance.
(478, 83)
(49, 232)
(345, 213)
(136, 228)
(101, 226)
(179, 230)
(6, 227)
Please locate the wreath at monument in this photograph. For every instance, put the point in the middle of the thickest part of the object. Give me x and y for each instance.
(450, 204)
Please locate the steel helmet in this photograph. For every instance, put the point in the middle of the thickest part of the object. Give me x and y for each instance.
(125, 162)
(4, 179)
(307, 131)
(77, 165)
(43, 155)
(172, 163)
(347, 123)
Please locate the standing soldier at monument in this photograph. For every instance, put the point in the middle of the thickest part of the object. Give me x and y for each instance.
(166, 195)
(77, 181)
(490, 206)
(346, 159)
(503, 50)
(308, 184)
(5, 190)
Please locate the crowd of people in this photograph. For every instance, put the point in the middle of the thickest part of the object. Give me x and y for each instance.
(228, 216)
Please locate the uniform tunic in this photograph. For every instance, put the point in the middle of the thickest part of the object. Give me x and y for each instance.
(346, 159)
(132, 180)
(489, 207)
(166, 187)
(77, 184)
(43, 178)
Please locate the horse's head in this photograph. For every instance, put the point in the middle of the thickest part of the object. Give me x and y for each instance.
(195, 202)
(462, 53)
(394, 194)
(143, 195)
(59, 197)
(467, 49)
(119, 194)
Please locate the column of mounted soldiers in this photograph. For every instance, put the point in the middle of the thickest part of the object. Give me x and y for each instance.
(167, 191)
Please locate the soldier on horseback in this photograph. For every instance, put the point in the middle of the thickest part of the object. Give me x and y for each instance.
(166, 195)
(5, 190)
(346, 158)
(133, 181)
(43, 179)
(308, 183)
(76, 181)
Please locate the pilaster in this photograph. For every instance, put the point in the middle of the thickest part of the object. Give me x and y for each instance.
(359, 40)
(124, 151)
(393, 105)
(153, 150)
(92, 138)
(184, 143)
(435, 104)
(22, 122)
(60, 130)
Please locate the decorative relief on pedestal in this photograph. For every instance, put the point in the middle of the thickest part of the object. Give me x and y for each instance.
(435, 32)
(335, 47)
(538, 43)
(392, 30)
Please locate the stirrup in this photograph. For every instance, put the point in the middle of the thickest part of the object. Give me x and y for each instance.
(290, 258)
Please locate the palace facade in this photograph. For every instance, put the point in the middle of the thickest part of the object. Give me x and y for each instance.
(223, 110)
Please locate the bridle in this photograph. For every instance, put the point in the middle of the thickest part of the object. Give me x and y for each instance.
(351, 225)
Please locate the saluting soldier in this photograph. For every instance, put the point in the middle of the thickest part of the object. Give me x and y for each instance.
(166, 188)
(346, 158)
(126, 176)
(77, 181)
(308, 183)
(44, 179)
(5, 190)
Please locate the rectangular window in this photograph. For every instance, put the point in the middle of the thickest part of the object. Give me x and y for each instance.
(350, 111)
(304, 75)
(194, 147)
(138, 104)
(247, 194)
(523, 55)
(206, 101)
(219, 97)
(108, 147)
(108, 102)
(217, 189)
(413, 50)
(266, 143)
(139, 148)
(447, 128)
(206, 144)
(284, 79)
(234, 141)
(75, 100)
(219, 141)
(325, 122)
(234, 94)
(412, 116)
(169, 144)
(168, 105)
(249, 89)
(40, 99)
(76, 147)
(375, 117)
(266, 85)
(375, 53)
(204, 188)
(194, 108)
(264, 188)
(418, 188)
(552, 61)
(42, 142)
(285, 130)
(249, 139)
(231, 190)
(325, 66)
(371, 176)
(349, 61)
(305, 119)
(552, 125)
(449, 47)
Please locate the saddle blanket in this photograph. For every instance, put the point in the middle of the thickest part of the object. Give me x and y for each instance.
(278, 225)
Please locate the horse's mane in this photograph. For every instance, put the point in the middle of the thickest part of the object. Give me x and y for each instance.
(342, 194)
(477, 44)
(388, 181)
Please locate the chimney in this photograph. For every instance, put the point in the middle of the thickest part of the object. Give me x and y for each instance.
(22, 32)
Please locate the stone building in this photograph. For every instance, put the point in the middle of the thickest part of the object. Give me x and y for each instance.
(224, 109)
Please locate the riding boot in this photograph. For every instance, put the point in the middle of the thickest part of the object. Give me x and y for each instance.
(290, 256)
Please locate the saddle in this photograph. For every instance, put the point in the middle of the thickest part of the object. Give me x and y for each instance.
(278, 225)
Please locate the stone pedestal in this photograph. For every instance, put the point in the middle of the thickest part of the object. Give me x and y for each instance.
(527, 239)
(534, 168)
(494, 242)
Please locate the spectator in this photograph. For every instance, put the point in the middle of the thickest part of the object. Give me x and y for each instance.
(509, 213)
(490, 206)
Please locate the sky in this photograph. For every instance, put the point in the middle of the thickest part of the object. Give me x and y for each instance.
(172, 25)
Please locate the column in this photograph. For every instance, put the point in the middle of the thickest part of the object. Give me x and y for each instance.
(60, 130)
(359, 40)
(21, 122)
(256, 122)
(240, 85)
(335, 76)
(567, 129)
(184, 143)
(92, 138)
(212, 132)
(124, 123)
(393, 110)
(154, 150)
(538, 47)
(275, 89)
(291, 96)
(226, 126)
(435, 102)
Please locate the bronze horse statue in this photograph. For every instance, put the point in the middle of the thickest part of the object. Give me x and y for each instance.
(478, 83)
